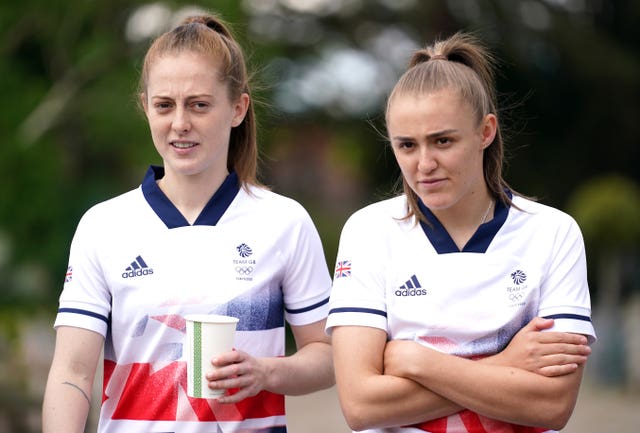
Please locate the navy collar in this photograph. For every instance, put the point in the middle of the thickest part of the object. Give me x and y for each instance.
(479, 242)
(171, 216)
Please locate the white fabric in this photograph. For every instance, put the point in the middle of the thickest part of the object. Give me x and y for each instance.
(133, 279)
(531, 263)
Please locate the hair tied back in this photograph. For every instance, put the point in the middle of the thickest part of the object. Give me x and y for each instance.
(218, 27)
(211, 22)
(423, 56)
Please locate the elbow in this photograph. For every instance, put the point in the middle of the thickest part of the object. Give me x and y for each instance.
(551, 419)
(556, 423)
(356, 417)
(556, 414)
(559, 418)
(356, 421)
(554, 405)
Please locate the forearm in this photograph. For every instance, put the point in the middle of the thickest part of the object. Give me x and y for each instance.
(66, 406)
(369, 396)
(309, 369)
(505, 393)
(376, 400)
(67, 397)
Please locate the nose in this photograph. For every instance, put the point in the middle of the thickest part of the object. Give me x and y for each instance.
(181, 121)
(427, 161)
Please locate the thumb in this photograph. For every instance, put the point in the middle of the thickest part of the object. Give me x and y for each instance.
(540, 323)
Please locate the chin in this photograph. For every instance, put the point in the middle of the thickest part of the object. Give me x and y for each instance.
(434, 201)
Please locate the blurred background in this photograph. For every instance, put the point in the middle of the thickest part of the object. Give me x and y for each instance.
(569, 85)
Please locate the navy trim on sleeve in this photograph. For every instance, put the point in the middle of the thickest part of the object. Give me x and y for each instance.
(569, 316)
(309, 308)
(84, 313)
(358, 310)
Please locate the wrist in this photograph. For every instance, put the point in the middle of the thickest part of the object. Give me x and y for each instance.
(496, 359)
(269, 371)
(414, 366)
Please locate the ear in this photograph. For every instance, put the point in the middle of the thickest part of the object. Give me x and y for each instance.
(240, 108)
(143, 103)
(488, 130)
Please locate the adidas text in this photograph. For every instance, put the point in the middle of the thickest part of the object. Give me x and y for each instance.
(411, 292)
(137, 273)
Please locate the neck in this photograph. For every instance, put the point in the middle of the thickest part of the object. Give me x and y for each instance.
(190, 194)
(463, 220)
(486, 213)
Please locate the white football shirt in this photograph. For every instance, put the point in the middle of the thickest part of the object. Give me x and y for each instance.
(137, 267)
(411, 280)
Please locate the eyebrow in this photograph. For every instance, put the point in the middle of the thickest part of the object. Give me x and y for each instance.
(428, 136)
(201, 95)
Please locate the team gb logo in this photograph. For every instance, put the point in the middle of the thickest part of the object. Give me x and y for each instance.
(518, 277)
(244, 250)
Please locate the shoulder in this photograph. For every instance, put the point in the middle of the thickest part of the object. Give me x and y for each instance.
(260, 196)
(383, 216)
(113, 209)
(388, 210)
(542, 215)
(271, 205)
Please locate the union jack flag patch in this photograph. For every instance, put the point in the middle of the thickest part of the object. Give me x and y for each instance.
(343, 269)
(69, 275)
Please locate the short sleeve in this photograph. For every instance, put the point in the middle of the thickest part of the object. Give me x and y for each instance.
(85, 301)
(564, 293)
(306, 283)
(358, 292)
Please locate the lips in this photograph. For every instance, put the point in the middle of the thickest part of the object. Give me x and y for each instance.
(430, 182)
(183, 144)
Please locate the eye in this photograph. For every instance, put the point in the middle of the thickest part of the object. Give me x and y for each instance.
(162, 106)
(443, 141)
(200, 106)
(404, 144)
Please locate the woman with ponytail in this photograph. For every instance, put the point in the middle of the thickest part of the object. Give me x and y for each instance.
(200, 235)
(459, 305)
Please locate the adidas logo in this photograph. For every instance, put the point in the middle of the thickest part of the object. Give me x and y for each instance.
(137, 268)
(411, 287)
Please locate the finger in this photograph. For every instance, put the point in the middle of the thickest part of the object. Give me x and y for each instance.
(227, 372)
(563, 359)
(234, 398)
(560, 354)
(241, 389)
(540, 323)
(564, 348)
(558, 364)
(218, 373)
(562, 337)
(225, 384)
(232, 357)
(558, 370)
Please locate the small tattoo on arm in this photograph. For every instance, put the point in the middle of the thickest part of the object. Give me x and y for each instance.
(86, 397)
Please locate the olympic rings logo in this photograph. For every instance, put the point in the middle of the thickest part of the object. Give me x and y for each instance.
(515, 297)
(244, 270)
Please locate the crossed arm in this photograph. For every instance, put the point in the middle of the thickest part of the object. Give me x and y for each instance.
(534, 381)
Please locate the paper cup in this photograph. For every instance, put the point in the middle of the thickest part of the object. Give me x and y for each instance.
(207, 335)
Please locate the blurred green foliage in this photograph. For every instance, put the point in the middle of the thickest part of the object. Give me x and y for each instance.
(72, 134)
(608, 211)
